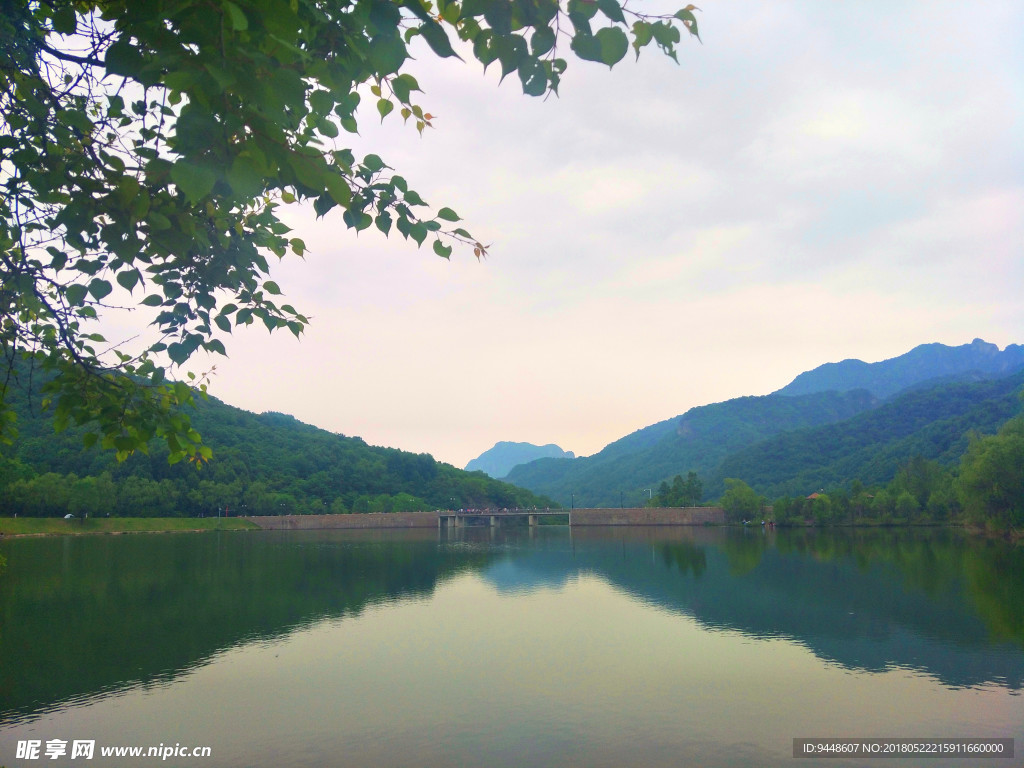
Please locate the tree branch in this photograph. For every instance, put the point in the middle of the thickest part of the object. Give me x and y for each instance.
(92, 62)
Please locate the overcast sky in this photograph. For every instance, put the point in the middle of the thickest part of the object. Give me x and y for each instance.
(817, 181)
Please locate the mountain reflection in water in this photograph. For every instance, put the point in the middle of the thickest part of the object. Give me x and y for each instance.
(94, 614)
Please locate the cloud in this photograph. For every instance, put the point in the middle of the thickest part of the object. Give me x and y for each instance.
(817, 181)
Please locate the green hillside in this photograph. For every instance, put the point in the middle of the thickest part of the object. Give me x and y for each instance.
(696, 441)
(263, 464)
(871, 447)
(829, 426)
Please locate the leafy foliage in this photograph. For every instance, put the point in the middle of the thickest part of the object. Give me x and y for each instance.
(740, 501)
(991, 482)
(146, 149)
(682, 493)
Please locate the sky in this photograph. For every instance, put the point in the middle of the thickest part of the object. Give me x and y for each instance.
(815, 182)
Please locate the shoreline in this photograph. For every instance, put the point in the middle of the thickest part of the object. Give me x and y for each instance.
(34, 527)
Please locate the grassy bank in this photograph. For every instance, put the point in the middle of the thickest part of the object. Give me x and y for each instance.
(27, 526)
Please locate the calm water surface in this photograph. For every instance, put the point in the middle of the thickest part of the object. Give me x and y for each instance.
(603, 647)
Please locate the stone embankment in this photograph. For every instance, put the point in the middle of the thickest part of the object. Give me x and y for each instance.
(650, 516)
(580, 517)
(370, 520)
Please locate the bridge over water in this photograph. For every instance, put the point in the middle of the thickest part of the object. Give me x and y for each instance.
(495, 518)
(443, 519)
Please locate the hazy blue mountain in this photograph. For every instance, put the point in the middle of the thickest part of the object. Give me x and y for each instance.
(499, 460)
(978, 359)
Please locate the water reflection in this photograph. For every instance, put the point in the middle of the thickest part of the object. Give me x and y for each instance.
(88, 616)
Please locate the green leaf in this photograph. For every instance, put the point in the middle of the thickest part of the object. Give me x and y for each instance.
(642, 35)
(586, 47)
(327, 127)
(442, 250)
(686, 16)
(122, 58)
(614, 45)
(373, 163)
(543, 40)
(100, 288)
(385, 16)
(323, 204)
(387, 53)
(65, 21)
(338, 189)
(59, 258)
(321, 101)
(194, 181)
(245, 180)
(448, 215)
(498, 14)
(153, 300)
(238, 20)
(533, 77)
(157, 221)
(357, 220)
(177, 352)
(272, 288)
(437, 39)
(75, 294)
(403, 86)
(216, 345)
(612, 10)
(384, 106)
(308, 170)
(418, 232)
(512, 52)
(128, 278)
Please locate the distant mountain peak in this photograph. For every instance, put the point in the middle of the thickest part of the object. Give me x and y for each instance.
(499, 460)
(926, 362)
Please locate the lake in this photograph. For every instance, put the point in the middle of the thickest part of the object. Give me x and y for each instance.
(508, 647)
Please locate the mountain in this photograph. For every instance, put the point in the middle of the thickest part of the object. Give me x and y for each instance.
(926, 362)
(933, 423)
(497, 461)
(819, 430)
(269, 463)
(698, 440)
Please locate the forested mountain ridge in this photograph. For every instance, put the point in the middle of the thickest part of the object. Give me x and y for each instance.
(923, 363)
(499, 460)
(930, 423)
(705, 439)
(698, 440)
(269, 463)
